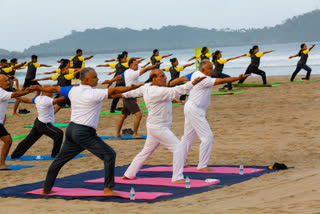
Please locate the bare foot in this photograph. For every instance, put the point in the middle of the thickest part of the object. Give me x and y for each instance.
(206, 169)
(4, 166)
(15, 114)
(118, 135)
(181, 181)
(46, 192)
(109, 192)
(306, 80)
(136, 136)
(126, 178)
(229, 92)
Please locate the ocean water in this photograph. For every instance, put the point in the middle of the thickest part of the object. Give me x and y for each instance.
(276, 63)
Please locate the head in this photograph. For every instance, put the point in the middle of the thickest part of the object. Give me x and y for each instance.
(4, 81)
(14, 61)
(303, 47)
(158, 78)
(206, 67)
(34, 58)
(174, 62)
(133, 64)
(64, 69)
(89, 76)
(121, 58)
(254, 49)
(79, 52)
(4, 62)
(125, 54)
(217, 55)
(155, 52)
(204, 50)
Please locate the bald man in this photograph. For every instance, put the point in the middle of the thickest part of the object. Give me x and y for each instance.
(4, 98)
(81, 133)
(158, 99)
(195, 111)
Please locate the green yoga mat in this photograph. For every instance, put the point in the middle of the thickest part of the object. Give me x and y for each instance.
(10, 115)
(293, 81)
(144, 105)
(226, 93)
(118, 112)
(55, 124)
(255, 85)
(19, 137)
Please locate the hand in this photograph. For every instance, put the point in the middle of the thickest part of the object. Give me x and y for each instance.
(313, 45)
(91, 56)
(158, 64)
(136, 86)
(46, 73)
(35, 88)
(110, 73)
(242, 76)
(170, 54)
(197, 80)
(290, 57)
(192, 63)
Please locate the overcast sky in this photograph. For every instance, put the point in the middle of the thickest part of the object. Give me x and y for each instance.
(30, 22)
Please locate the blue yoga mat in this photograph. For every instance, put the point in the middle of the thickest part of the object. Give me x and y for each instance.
(16, 167)
(39, 157)
(78, 181)
(125, 137)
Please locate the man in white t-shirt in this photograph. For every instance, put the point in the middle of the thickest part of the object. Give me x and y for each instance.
(43, 125)
(158, 98)
(130, 105)
(4, 135)
(81, 133)
(195, 111)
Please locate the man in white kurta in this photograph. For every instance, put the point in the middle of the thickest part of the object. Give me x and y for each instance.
(158, 99)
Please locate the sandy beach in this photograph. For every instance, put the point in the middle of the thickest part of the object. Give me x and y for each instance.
(258, 127)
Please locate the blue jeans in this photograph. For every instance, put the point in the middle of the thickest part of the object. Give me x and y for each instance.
(79, 138)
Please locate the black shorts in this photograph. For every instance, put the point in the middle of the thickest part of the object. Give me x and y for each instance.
(3, 131)
(28, 83)
(130, 106)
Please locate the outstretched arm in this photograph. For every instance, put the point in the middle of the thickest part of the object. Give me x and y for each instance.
(166, 55)
(312, 47)
(19, 66)
(112, 72)
(266, 52)
(187, 65)
(105, 65)
(47, 89)
(120, 90)
(192, 58)
(178, 81)
(50, 72)
(89, 57)
(109, 82)
(236, 57)
(44, 78)
(230, 79)
(290, 57)
(21, 93)
(26, 100)
(146, 65)
(144, 70)
(140, 60)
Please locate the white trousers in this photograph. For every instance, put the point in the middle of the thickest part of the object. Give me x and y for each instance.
(155, 137)
(196, 124)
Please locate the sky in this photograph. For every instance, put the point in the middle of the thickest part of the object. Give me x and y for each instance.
(31, 22)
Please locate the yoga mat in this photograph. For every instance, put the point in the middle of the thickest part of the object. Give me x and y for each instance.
(117, 112)
(10, 115)
(82, 192)
(19, 137)
(221, 170)
(55, 124)
(125, 137)
(16, 167)
(255, 85)
(174, 104)
(39, 157)
(78, 181)
(226, 93)
(157, 182)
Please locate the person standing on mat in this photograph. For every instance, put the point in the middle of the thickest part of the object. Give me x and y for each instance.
(195, 111)
(81, 133)
(158, 101)
(155, 58)
(30, 75)
(130, 105)
(253, 68)
(43, 125)
(175, 72)
(218, 67)
(302, 63)
(77, 61)
(204, 54)
(5, 96)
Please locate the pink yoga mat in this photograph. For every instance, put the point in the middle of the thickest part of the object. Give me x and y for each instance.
(156, 182)
(221, 170)
(81, 192)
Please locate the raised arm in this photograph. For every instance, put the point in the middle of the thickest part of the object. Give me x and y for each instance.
(89, 57)
(230, 79)
(232, 58)
(312, 47)
(144, 70)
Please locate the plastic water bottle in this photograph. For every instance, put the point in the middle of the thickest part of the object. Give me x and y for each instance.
(187, 182)
(241, 169)
(132, 194)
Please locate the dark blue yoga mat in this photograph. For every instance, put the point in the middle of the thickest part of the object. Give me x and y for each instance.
(78, 181)
(16, 167)
(39, 157)
(125, 137)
